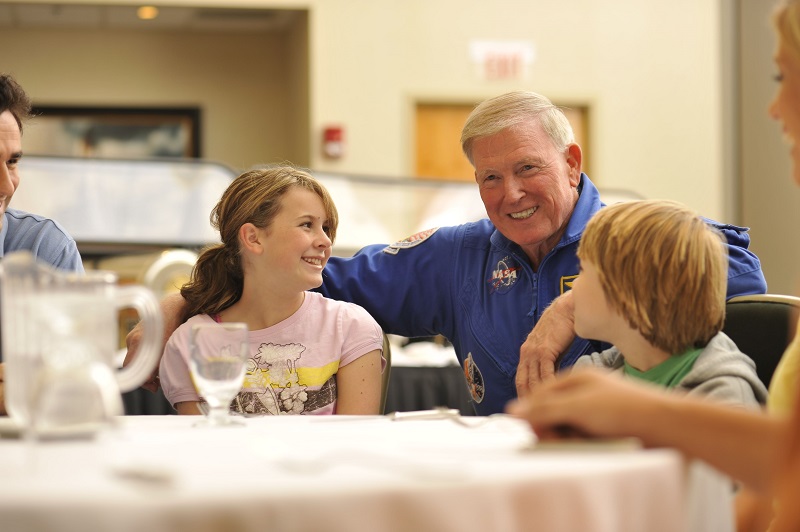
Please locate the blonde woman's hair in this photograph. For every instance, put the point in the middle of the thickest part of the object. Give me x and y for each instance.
(662, 268)
(502, 112)
(254, 197)
(787, 25)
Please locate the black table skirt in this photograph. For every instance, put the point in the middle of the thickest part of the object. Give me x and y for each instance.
(410, 388)
(140, 402)
(423, 388)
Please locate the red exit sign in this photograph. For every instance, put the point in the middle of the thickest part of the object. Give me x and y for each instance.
(502, 60)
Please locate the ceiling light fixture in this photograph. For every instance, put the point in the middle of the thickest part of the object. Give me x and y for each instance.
(147, 12)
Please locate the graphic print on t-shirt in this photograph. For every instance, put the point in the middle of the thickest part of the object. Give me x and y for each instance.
(277, 383)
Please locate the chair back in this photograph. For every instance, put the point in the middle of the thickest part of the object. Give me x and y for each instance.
(762, 327)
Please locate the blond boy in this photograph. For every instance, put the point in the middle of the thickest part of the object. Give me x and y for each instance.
(652, 284)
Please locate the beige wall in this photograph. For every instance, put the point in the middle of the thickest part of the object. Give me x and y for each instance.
(244, 84)
(649, 70)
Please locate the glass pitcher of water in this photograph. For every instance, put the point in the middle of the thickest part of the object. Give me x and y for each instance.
(59, 337)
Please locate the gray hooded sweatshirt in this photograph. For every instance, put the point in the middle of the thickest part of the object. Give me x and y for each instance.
(721, 372)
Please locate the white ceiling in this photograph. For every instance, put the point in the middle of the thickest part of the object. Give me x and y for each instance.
(13, 15)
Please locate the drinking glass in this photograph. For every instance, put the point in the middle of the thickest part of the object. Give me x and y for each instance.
(217, 361)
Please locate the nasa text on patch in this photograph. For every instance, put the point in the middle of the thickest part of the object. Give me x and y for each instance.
(504, 275)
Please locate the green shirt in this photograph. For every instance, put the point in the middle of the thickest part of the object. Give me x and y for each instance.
(670, 372)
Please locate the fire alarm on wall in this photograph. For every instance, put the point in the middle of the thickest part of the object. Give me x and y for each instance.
(333, 142)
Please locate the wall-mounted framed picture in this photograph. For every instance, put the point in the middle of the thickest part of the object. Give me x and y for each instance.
(114, 132)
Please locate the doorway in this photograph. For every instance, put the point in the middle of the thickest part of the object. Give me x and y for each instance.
(438, 132)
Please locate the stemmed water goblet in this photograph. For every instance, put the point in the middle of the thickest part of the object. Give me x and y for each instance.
(217, 362)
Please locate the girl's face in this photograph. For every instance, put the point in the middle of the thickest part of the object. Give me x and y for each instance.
(296, 243)
(785, 106)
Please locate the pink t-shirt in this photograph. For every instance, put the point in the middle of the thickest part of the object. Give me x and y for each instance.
(293, 364)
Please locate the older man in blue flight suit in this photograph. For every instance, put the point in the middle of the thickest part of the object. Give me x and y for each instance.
(485, 285)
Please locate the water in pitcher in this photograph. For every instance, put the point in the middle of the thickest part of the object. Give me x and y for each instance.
(63, 335)
(59, 338)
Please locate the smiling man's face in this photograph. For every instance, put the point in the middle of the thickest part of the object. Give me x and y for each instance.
(10, 154)
(528, 186)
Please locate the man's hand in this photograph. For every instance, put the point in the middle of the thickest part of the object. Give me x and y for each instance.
(172, 310)
(551, 336)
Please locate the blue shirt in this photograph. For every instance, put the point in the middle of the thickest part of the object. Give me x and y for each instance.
(45, 238)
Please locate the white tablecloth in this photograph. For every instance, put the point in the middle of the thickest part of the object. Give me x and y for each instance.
(297, 473)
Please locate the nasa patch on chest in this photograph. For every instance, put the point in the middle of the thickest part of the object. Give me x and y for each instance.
(504, 275)
(409, 242)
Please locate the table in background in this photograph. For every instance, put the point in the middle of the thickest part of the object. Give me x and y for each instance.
(347, 473)
(141, 402)
(423, 388)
